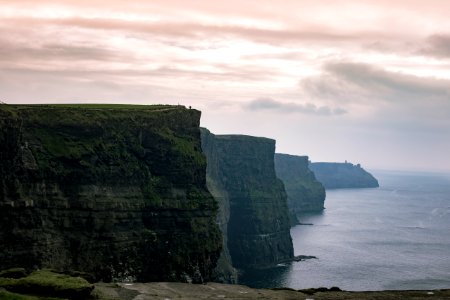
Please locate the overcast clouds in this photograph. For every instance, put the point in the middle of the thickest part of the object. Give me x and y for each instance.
(366, 81)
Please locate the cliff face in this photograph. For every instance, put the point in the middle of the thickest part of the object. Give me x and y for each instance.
(114, 191)
(253, 201)
(304, 192)
(342, 175)
(224, 272)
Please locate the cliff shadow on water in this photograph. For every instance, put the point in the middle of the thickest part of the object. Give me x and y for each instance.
(117, 191)
(253, 209)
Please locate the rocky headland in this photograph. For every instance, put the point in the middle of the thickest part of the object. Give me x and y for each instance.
(343, 175)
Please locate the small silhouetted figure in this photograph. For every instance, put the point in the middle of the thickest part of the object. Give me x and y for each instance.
(190, 107)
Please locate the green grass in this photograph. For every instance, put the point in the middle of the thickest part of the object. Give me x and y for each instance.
(97, 106)
(13, 273)
(49, 284)
(5, 295)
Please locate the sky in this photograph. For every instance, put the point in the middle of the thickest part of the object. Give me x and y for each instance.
(363, 81)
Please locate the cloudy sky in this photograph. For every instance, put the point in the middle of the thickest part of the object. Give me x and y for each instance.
(364, 81)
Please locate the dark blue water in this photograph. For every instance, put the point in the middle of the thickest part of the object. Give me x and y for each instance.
(393, 237)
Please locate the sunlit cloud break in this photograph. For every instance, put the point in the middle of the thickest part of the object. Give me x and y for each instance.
(291, 107)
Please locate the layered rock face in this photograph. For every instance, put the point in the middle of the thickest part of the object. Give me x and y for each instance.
(343, 175)
(304, 192)
(224, 272)
(253, 203)
(114, 191)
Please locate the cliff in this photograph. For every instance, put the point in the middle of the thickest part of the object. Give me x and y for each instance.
(112, 190)
(253, 208)
(304, 192)
(343, 175)
(224, 272)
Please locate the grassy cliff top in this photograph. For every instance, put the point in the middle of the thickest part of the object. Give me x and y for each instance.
(93, 106)
(51, 114)
(237, 137)
(242, 137)
(292, 157)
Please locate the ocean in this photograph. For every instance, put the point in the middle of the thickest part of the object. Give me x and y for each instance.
(393, 237)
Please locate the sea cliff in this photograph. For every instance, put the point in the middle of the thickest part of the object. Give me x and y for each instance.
(343, 175)
(116, 191)
(304, 192)
(254, 213)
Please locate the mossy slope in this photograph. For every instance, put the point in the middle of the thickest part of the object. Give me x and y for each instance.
(45, 284)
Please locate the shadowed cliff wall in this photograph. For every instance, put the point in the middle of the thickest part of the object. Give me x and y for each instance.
(241, 172)
(304, 192)
(115, 191)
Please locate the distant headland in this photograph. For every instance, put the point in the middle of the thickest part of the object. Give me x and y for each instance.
(335, 175)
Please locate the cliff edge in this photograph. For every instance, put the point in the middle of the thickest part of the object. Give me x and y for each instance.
(117, 191)
(304, 192)
(254, 211)
(343, 175)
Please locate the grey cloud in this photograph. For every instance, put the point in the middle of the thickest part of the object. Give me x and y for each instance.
(437, 46)
(381, 82)
(290, 107)
(350, 80)
(9, 52)
(402, 95)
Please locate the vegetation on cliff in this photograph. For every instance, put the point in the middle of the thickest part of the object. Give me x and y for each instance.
(304, 192)
(343, 175)
(44, 283)
(118, 191)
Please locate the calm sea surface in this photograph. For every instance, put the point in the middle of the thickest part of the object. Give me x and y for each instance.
(393, 237)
